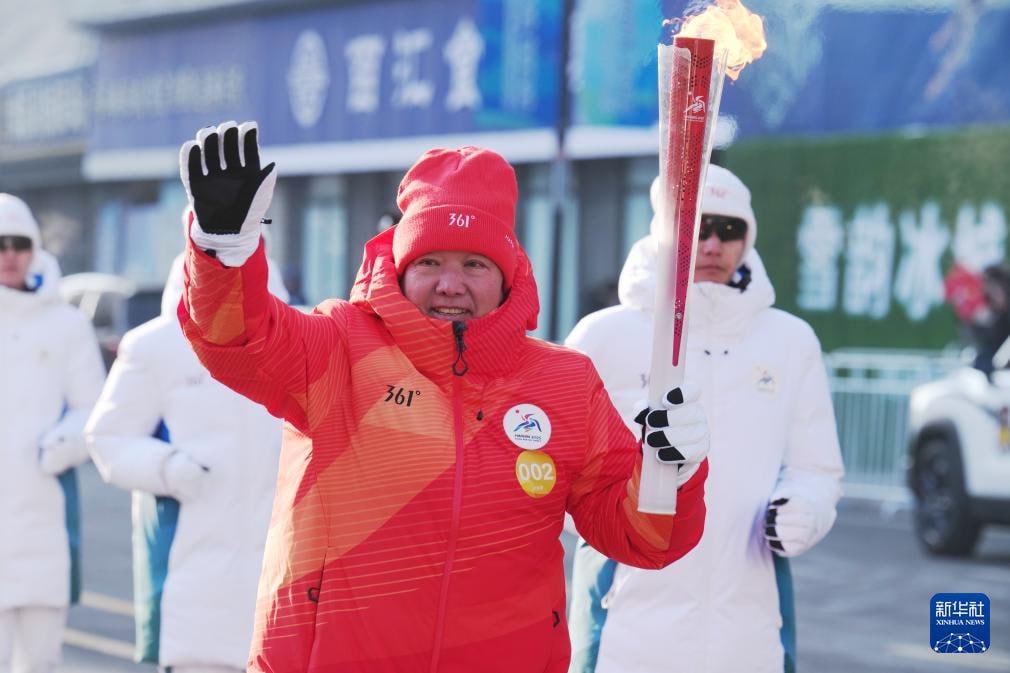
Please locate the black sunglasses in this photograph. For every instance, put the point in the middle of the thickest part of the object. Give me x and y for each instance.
(15, 243)
(725, 228)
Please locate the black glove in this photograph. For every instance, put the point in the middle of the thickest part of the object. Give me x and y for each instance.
(226, 194)
(796, 523)
(677, 433)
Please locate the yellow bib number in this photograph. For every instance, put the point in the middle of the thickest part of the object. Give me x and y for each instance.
(536, 473)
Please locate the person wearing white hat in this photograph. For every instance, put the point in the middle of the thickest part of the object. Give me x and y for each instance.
(201, 461)
(52, 374)
(776, 466)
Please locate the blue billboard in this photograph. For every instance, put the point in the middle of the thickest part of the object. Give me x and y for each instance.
(831, 67)
(332, 75)
(332, 86)
(45, 115)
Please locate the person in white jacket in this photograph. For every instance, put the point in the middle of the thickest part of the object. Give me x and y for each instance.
(52, 374)
(201, 461)
(776, 466)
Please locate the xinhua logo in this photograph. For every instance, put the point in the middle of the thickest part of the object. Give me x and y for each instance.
(959, 623)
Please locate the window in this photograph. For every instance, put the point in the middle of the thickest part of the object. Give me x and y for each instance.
(540, 239)
(324, 240)
(637, 209)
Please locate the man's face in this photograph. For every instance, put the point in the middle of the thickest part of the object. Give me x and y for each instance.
(720, 248)
(15, 257)
(453, 285)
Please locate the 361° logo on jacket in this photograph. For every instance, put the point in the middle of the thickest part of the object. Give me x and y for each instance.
(527, 426)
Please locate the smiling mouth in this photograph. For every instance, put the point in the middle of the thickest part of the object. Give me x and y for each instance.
(448, 313)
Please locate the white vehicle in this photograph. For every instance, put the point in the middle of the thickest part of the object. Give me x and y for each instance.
(959, 458)
(112, 303)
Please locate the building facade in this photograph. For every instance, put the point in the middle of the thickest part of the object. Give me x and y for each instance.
(874, 137)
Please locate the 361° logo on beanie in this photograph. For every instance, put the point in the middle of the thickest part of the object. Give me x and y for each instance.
(462, 220)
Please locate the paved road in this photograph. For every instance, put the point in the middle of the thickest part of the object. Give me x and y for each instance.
(862, 595)
(100, 630)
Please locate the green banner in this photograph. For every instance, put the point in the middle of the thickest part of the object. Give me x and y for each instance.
(858, 233)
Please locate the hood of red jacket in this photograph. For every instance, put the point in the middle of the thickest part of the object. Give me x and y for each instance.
(429, 342)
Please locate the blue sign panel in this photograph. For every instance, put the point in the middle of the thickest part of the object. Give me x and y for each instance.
(846, 69)
(368, 71)
(40, 114)
(613, 74)
(838, 71)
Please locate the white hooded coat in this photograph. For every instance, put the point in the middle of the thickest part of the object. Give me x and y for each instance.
(772, 429)
(52, 373)
(209, 594)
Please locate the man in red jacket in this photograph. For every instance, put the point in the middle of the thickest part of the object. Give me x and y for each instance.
(431, 447)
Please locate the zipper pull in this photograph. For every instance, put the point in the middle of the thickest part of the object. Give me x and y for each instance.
(458, 327)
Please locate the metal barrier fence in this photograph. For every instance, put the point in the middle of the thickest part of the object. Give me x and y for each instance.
(870, 390)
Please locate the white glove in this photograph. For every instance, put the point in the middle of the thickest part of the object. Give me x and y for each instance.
(794, 524)
(183, 476)
(678, 432)
(227, 189)
(60, 450)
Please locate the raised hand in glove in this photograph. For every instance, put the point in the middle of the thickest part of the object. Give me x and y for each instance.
(677, 433)
(795, 524)
(227, 189)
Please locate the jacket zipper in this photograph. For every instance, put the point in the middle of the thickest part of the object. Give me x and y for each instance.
(458, 327)
(457, 493)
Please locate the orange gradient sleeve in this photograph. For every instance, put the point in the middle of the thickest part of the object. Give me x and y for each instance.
(604, 496)
(256, 344)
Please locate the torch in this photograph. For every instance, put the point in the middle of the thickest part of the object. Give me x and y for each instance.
(691, 74)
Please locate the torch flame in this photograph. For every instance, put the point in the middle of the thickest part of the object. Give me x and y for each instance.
(734, 28)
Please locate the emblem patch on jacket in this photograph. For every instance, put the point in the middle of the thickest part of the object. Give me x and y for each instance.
(536, 473)
(527, 426)
(765, 381)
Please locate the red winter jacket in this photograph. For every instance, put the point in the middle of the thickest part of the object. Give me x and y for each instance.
(417, 512)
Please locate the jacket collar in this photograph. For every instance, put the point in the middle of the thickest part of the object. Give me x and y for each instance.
(44, 280)
(725, 311)
(719, 309)
(492, 341)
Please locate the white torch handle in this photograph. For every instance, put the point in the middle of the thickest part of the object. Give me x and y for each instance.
(658, 489)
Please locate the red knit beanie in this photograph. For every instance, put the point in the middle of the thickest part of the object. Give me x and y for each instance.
(461, 199)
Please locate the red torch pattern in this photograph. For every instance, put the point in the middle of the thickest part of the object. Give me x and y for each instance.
(685, 167)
